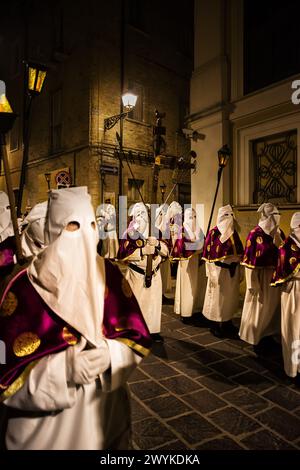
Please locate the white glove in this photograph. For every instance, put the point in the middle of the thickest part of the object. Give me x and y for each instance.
(84, 366)
(148, 250)
(152, 241)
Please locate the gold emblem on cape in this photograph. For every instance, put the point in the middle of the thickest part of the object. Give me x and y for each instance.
(9, 305)
(259, 240)
(69, 337)
(208, 247)
(139, 243)
(126, 289)
(293, 260)
(258, 253)
(294, 247)
(218, 249)
(25, 344)
(248, 243)
(126, 244)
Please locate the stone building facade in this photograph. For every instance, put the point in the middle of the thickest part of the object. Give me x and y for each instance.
(95, 51)
(246, 60)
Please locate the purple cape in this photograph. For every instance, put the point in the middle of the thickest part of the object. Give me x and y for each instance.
(288, 263)
(30, 330)
(260, 250)
(131, 241)
(183, 247)
(214, 250)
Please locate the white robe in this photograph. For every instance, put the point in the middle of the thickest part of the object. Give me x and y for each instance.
(222, 292)
(109, 248)
(190, 287)
(149, 298)
(49, 414)
(261, 312)
(166, 279)
(290, 325)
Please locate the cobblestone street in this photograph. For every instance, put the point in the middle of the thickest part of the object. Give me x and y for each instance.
(196, 391)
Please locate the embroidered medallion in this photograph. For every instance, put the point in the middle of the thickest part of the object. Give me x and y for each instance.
(25, 344)
(9, 305)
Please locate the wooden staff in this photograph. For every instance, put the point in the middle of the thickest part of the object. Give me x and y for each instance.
(11, 197)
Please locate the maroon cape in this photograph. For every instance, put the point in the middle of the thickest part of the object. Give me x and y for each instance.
(215, 250)
(288, 263)
(260, 250)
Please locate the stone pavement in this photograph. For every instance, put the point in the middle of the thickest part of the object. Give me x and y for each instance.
(196, 391)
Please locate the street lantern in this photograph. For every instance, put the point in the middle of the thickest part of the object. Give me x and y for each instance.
(163, 190)
(129, 102)
(223, 156)
(35, 77)
(48, 179)
(7, 117)
(36, 74)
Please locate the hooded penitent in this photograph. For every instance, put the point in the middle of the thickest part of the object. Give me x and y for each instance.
(225, 223)
(269, 222)
(33, 236)
(223, 240)
(67, 291)
(106, 220)
(192, 229)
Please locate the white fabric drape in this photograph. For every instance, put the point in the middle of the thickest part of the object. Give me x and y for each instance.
(261, 310)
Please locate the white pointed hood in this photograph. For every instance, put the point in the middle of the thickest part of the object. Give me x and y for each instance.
(68, 274)
(106, 220)
(140, 219)
(6, 227)
(161, 218)
(269, 221)
(225, 222)
(33, 236)
(192, 228)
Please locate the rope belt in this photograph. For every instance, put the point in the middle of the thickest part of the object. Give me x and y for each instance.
(232, 267)
(140, 270)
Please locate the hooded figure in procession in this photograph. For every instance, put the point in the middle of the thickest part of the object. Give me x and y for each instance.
(73, 332)
(108, 245)
(287, 278)
(222, 252)
(261, 312)
(191, 278)
(135, 245)
(33, 233)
